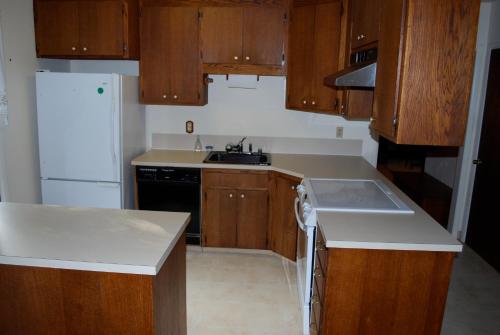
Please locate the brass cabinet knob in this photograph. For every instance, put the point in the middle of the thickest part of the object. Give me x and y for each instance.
(242, 196)
(313, 103)
(372, 119)
(73, 48)
(293, 187)
(236, 57)
(304, 102)
(175, 97)
(247, 58)
(84, 48)
(164, 96)
(230, 195)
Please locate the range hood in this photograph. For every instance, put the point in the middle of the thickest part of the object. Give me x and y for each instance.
(359, 75)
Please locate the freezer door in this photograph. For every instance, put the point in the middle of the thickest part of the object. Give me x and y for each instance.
(78, 126)
(81, 194)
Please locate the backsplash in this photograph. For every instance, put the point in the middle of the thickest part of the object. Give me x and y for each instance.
(318, 146)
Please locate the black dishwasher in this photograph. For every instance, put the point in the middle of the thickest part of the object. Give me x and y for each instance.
(171, 189)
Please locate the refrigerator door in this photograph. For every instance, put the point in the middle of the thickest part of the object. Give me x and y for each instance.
(81, 194)
(78, 126)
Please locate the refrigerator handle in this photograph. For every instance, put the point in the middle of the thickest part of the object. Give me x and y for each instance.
(113, 144)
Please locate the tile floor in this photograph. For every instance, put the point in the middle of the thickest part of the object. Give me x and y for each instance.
(250, 294)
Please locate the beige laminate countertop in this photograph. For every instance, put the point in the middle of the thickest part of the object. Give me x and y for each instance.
(90, 239)
(341, 230)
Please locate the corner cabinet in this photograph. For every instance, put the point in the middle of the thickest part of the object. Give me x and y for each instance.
(106, 29)
(170, 66)
(314, 45)
(247, 40)
(425, 67)
(235, 209)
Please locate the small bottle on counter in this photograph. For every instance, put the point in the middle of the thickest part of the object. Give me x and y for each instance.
(197, 145)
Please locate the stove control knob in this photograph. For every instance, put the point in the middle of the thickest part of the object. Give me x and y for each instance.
(301, 190)
(306, 208)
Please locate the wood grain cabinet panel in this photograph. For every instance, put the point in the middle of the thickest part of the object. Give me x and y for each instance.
(283, 226)
(243, 39)
(170, 65)
(380, 292)
(92, 29)
(365, 21)
(424, 72)
(314, 47)
(103, 28)
(221, 34)
(235, 215)
(57, 28)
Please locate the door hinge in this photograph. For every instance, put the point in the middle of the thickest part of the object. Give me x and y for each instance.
(200, 14)
(125, 47)
(477, 162)
(285, 17)
(341, 8)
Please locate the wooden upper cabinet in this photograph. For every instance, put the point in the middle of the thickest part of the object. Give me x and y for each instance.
(314, 46)
(221, 32)
(103, 28)
(245, 40)
(365, 21)
(264, 36)
(87, 29)
(300, 53)
(170, 63)
(57, 28)
(424, 73)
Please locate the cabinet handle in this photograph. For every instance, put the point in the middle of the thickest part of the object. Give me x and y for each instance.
(176, 97)
(242, 196)
(236, 57)
(318, 273)
(164, 96)
(313, 103)
(73, 48)
(361, 37)
(85, 49)
(230, 195)
(304, 102)
(247, 58)
(372, 120)
(293, 187)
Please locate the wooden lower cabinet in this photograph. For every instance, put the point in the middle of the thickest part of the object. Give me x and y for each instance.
(235, 209)
(38, 300)
(361, 291)
(283, 226)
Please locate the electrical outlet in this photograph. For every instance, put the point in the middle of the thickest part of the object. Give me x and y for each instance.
(340, 132)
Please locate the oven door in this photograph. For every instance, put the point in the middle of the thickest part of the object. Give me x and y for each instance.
(305, 258)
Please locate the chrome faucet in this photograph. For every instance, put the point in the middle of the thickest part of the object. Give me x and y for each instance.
(239, 146)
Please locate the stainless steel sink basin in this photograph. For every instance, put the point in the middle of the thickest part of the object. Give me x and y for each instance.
(223, 157)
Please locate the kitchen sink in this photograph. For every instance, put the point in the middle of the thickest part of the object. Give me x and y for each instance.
(223, 157)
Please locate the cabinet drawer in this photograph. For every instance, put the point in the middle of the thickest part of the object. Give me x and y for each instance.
(321, 252)
(235, 178)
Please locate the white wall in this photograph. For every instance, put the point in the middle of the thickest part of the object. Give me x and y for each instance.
(488, 38)
(241, 112)
(18, 143)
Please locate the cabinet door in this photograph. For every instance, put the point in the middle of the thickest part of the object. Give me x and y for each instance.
(221, 35)
(300, 52)
(154, 55)
(263, 35)
(220, 215)
(57, 28)
(252, 219)
(283, 225)
(183, 55)
(365, 18)
(103, 28)
(326, 54)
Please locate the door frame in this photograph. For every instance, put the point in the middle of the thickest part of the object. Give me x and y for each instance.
(466, 171)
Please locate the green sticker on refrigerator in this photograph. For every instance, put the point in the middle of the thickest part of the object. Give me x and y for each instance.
(100, 90)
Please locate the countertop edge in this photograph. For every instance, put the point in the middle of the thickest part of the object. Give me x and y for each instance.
(394, 246)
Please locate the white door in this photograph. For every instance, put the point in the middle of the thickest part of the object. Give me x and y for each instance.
(78, 126)
(81, 194)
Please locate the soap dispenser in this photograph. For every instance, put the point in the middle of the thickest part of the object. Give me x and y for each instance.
(197, 145)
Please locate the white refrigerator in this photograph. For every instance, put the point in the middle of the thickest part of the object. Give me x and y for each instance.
(90, 126)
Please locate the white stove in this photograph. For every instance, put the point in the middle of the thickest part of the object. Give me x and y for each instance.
(333, 195)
